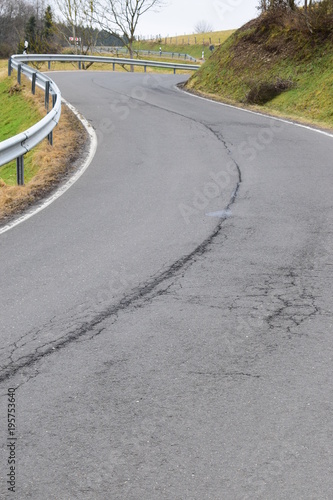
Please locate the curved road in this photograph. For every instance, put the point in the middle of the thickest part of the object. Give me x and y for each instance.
(167, 322)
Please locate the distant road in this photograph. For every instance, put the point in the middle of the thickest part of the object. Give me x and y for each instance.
(168, 320)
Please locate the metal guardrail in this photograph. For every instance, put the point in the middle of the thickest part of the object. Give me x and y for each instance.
(17, 146)
(80, 59)
(164, 53)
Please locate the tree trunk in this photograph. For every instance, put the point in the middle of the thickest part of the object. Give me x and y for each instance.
(130, 50)
(263, 5)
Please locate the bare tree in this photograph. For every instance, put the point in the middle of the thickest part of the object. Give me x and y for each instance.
(121, 17)
(203, 27)
(265, 5)
(13, 18)
(77, 15)
(307, 4)
(289, 4)
(69, 10)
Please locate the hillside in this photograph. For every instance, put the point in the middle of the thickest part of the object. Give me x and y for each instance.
(276, 62)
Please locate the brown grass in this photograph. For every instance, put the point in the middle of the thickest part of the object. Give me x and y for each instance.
(54, 163)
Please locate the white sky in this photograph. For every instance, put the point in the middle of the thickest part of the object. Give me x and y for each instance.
(179, 17)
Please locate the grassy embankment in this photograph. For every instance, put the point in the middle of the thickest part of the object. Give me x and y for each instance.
(45, 166)
(275, 64)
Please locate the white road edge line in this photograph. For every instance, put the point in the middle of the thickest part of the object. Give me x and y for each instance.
(62, 189)
(283, 120)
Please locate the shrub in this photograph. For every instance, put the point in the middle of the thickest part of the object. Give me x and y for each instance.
(319, 18)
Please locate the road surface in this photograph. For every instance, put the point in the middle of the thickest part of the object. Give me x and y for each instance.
(167, 322)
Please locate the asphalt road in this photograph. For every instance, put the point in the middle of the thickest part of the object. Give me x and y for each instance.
(167, 322)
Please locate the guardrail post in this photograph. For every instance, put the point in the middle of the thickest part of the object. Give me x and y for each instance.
(47, 94)
(33, 83)
(9, 66)
(174, 71)
(20, 170)
(50, 138)
(19, 69)
(50, 135)
(79, 64)
(48, 64)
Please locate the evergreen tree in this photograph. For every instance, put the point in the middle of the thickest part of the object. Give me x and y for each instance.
(31, 34)
(48, 23)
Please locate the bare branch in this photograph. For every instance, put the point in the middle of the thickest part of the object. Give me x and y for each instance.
(203, 27)
(123, 15)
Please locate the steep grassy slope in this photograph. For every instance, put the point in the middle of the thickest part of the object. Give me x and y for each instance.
(277, 63)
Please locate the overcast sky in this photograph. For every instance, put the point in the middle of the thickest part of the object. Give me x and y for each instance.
(179, 17)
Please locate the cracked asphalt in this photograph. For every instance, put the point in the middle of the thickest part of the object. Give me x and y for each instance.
(167, 322)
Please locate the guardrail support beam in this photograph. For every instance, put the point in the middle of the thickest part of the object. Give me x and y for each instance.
(48, 64)
(9, 66)
(19, 70)
(50, 138)
(20, 170)
(47, 95)
(33, 83)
